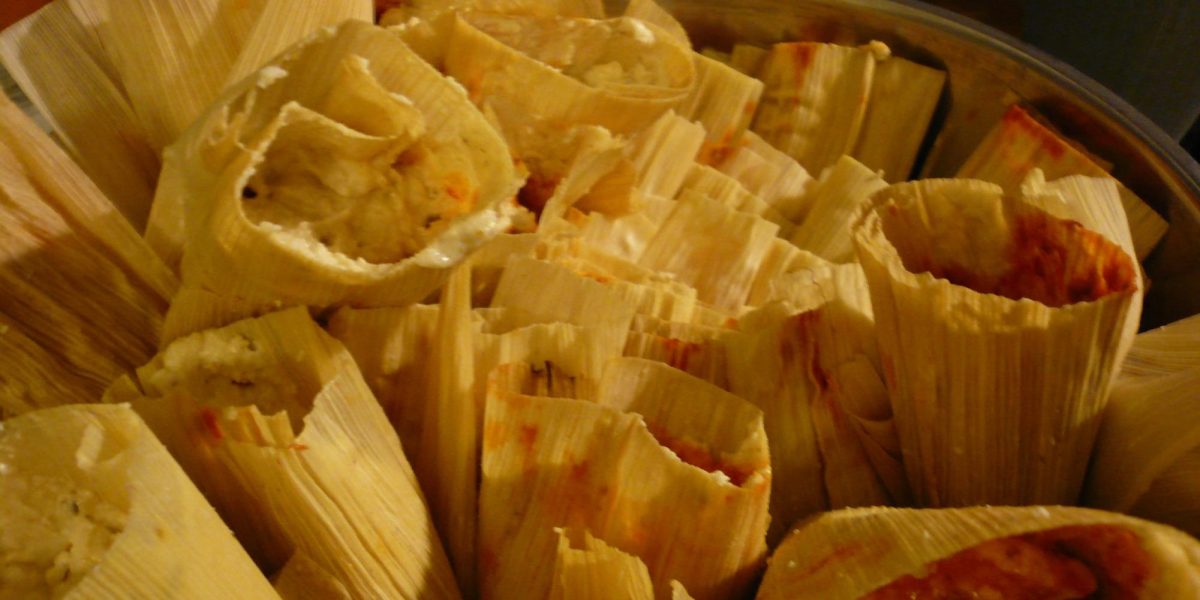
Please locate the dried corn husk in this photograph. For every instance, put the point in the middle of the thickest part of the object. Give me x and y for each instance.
(697, 350)
(782, 258)
(662, 153)
(748, 59)
(723, 101)
(265, 415)
(551, 462)
(60, 65)
(618, 73)
(1020, 143)
(722, 268)
(1146, 452)
(84, 296)
(650, 12)
(586, 567)
(1164, 351)
(814, 100)
(93, 506)
(999, 330)
(196, 309)
(835, 201)
(282, 23)
(771, 175)
(710, 182)
(432, 9)
(815, 375)
(903, 97)
(268, 220)
(303, 579)
(854, 553)
(817, 284)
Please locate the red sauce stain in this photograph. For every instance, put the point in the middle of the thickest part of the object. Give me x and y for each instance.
(698, 456)
(833, 559)
(465, 195)
(680, 353)
(536, 192)
(716, 153)
(579, 472)
(488, 561)
(731, 323)
(494, 435)
(528, 437)
(889, 370)
(1017, 123)
(802, 54)
(1068, 562)
(210, 424)
(298, 447)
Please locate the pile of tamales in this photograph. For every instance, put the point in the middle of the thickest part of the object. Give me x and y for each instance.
(523, 299)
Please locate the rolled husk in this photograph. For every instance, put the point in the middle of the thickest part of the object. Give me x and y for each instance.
(265, 415)
(1020, 143)
(620, 73)
(999, 330)
(93, 506)
(586, 567)
(834, 201)
(985, 552)
(84, 295)
(557, 462)
(288, 193)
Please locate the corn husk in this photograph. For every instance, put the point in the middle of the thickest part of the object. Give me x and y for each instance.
(999, 332)
(432, 9)
(302, 578)
(710, 182)
(748, 59)
(903, 97)
(650, 12)
(1164, 351)
(854, 553)
(817, 284)
(620, 74)
(586, 567)
(1020, 143)
(771, 175)
(814, 373)
(722, 268)
(265, 415)
(627, 236)
(196, 309)
(267, 221)
(697, 350)
(782, 258)
(814, 100)
(661, 154)
(1146, 452)
(723, 101)
(551, 462)
(93, 506)
(60, 65)
(282, 23)
(84, 296)
(834, 202)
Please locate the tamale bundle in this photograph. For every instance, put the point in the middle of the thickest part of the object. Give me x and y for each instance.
(769, 174)
(1021, 142)
(680, 482)
(985, 552)
(1000, 329)
(586, 567)
(834, 201)
(266, 415)
(93, 506)
(288, 192)
(84, 296)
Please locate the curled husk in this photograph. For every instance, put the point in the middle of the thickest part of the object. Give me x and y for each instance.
(265, 415)
(93, 506)
(881, 553)
(999, 330)
(618, 73)
(346, 171)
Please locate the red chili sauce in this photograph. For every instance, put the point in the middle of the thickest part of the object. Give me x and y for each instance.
(1082, 561)
(698, 456)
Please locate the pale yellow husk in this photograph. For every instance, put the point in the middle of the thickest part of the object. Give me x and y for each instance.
(903, 97)
(848, 554)
(662, 154)
(286, 192)
(723, 101)
(585, 567)
(1020, 143)
(834, 201)
(1164, 351)
(93, 506)
(771, 175)
(265, 415)
(282, 23)
(997, 400)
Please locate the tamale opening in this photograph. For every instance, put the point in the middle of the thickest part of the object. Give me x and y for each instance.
(1080, 561)
(993, 245)
(700, 456)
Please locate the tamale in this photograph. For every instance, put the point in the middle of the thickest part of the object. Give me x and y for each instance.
(265, 415)
(710, 182)
(586, 567)
(903, 97)
(1164, 351)
(661, 154)
(771, 175)
(781, 259)
(282, 23)
(999, 330)
(985, 552)
(723, 101)
(834, 201)
(650, 12)
(93, 506)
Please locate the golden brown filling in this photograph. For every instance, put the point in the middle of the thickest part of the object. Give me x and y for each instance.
(1085, 561)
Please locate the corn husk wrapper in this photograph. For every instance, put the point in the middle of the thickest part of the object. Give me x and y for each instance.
(195, 309)
(782, 258)
(820, 283)
(488, 262)
(265, 415)
(835, 201)
(904, 95)
(94, 507)
(814, 100)
(551, 462)
(710, 182)
(999, 330)
(268, 220)
(1164, 351)
(302, 578)
(60, 65)
(722, 268)
(697, 350)
(748, 59)
(1146, 456)
(1020, 143)
(620, 74)
(586, 567)
(84, 296)
(628, 235)
(723, 101)
(650, 12)
(661, 154)
(282, 23)
(852, 553)
(432, 9)
(771, 175)
(815, 375)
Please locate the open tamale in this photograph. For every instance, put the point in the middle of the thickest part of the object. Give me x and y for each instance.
(985, 552)
(999, 330)
(93, 506)
(273, 421)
